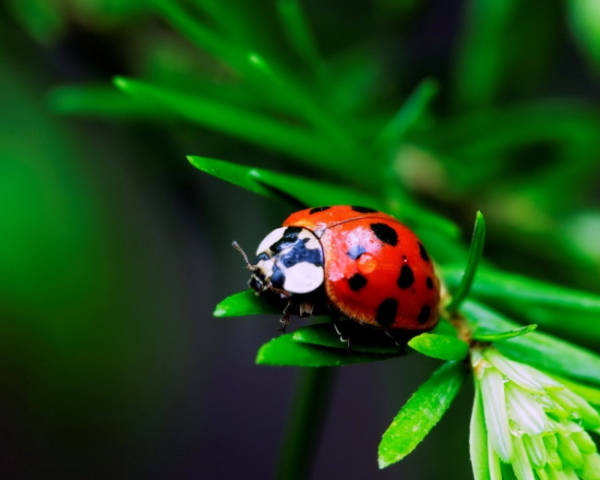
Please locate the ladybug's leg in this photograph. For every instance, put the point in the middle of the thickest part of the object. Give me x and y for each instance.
(306, 309)
(287, 315)
(400, 339)
(335, 320)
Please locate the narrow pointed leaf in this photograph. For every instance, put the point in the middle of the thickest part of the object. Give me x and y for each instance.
(285, 351)
(246, 303)
(475, 253)
(421, 413)
(440, 346)
(301, 191)
(406, 117)
(291, 139)
(299, 34)
(478, 445)
(536, 349)
(362, 338)
(587, 392)
(481, 336)
(105, 101)
(495, 284)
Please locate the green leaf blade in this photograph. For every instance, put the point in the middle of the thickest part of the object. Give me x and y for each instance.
(302, 192)
(411, 425)
(295, 141)
(475, 254)
(246, 303)
(408, 114)
(362, 339)
(439, 346)
(481, 336)
(284, 351)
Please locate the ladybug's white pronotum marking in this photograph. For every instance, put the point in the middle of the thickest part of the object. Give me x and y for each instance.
(290, 259)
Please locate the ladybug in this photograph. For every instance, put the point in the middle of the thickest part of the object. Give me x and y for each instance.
(356, 262)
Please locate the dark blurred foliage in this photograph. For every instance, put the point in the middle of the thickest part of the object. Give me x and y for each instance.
(114, 250)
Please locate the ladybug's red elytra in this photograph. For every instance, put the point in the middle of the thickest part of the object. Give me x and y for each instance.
(363, 264)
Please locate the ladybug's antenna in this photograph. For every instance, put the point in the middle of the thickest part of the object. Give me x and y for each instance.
(239, 249)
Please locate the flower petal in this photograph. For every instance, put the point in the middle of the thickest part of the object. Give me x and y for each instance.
(514, 371)
(520, 461)
(535, 450)
(525, 411)
(496, 417)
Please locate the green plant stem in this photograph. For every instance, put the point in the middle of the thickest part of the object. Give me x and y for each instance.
(311, 398)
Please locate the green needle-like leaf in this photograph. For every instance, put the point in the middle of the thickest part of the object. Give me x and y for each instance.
(530, 297)
(247, 303)
(478, 446)
(285, 351)
(590, 394)
(103, 101)
(298, 32)
(481, 336)
(421, 413)
(495, 284)
(537, 349)
(245, 124)
(363, 339)
(303, 192)
(440, 346)
(475, 253)
(410, 112)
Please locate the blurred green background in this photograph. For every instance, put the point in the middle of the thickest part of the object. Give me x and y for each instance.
(114, 250)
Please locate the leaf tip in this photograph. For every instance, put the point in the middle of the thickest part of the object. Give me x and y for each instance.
(121, 83)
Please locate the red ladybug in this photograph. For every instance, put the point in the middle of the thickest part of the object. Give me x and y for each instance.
(363, 264)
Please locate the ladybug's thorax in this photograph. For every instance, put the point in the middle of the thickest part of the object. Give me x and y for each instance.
(289, 260)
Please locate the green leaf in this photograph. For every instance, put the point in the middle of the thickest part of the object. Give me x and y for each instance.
(421, 413)
(506, 288)
(590, 394)
(537, 349)
(254, 127)
(475, 253)
(298, 32)
(584, 16)
(495, 284)
(440, 346)
(303, 192)
(101, 100)
(363, 339)
(408, 114)
(285, 351)
(481, 336)
(478, 439)
(247, 303)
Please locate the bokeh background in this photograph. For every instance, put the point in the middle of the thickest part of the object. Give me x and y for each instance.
(114, 249)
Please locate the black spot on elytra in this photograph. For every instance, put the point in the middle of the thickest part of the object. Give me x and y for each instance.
(429, 283)
(357, 281)
(363, 209)
(356, 252)
(406, 278)
(386, 312)
(423, 252)
(318, 209)
(385, 233)
(424, 314)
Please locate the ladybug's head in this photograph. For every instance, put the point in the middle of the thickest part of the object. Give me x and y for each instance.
(289, 260)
